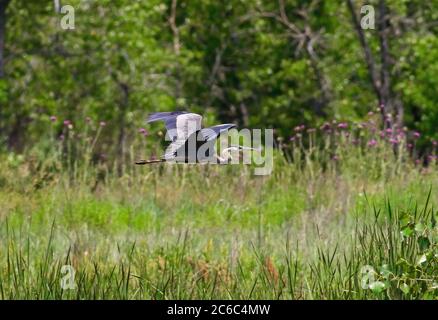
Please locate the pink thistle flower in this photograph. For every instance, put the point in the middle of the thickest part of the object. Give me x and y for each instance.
(326, 126)
(394, 141)
(61, 137)
(372, 143)
(343, 125)
(370, 114)
(417, 135)
(67, 122)
(434, 143)
(143, 131)
(102, 123)
(410, 145)
(53, 118)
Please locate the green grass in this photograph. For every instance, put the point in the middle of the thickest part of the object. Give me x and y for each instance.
(308, 231)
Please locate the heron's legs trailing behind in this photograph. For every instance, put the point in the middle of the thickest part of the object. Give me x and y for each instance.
(142, 162)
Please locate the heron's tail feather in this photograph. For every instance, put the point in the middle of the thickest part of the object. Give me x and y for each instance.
(142, 162)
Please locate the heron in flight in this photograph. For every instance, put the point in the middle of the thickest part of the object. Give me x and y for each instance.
(191, 143)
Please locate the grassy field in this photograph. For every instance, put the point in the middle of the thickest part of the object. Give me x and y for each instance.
(361, 225)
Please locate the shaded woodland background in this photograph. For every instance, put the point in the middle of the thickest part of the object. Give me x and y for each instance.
(264, 64)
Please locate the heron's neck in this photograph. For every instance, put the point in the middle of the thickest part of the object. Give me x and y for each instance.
(225, 156)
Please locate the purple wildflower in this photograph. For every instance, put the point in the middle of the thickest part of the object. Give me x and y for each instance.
(53, 118)
(372, 143)
(326, 126)
(417, 135)
(343, 125)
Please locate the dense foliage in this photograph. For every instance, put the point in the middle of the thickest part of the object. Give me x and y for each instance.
(258, 63)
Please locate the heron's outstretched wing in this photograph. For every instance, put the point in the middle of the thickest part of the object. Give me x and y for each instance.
(158, 116)
(179, 124)
(187, 124)
(170, 120)
(214, 132)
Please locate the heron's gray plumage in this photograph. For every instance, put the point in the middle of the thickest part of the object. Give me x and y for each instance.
(214, 132)
(184, 130)
(169, 119)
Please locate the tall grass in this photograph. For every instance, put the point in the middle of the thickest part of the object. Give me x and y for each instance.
(335, 220)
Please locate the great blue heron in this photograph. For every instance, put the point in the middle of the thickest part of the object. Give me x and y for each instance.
(191, 143)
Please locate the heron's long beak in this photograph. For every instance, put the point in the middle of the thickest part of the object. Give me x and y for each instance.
(248, 148)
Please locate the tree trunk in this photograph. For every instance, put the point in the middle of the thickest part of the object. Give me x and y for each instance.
(3, 6)
(380, 79)
(123, 106)
(385, 77)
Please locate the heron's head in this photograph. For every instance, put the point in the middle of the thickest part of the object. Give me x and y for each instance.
(226, 154)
